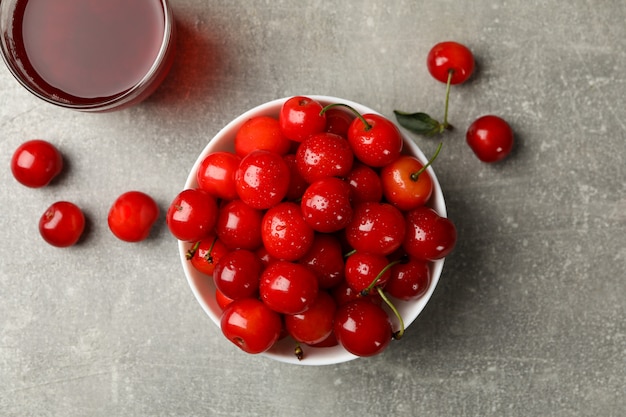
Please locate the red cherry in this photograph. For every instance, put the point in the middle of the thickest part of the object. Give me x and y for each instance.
(404, 185)
(377, 228)
(344, 293)
(192, 215)
(375, 140)
(288, 287)
(206, 253)
(363, 269)
(222, 300)
(35, 163)
(297, 183)
(429, 236)
(239, 226)
(365, 184)
(285, 233)
(338, 121)
(409, 280)
(216, 174)
(261, 132)
(132, 216)
(324, 155)
(450, 56)
(300, 118)
(449, 63)
(363, 328)
(265, 257)
(326, 205)
(262, 179)
(325, 258)
(490, 137)
(62, 224)
(315, 324)
(330, 341)
(251, 325)
(237, 274)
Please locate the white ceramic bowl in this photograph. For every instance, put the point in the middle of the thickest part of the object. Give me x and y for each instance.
(204, 289)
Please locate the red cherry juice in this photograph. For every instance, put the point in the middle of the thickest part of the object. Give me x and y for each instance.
(87, 51)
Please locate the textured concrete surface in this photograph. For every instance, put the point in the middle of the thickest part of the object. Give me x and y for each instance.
(528, 319)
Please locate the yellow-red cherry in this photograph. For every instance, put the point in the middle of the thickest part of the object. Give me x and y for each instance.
(405, 184)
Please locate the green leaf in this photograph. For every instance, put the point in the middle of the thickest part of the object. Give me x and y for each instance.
(419, 123)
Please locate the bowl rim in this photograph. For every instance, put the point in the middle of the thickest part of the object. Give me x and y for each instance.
(282, 351)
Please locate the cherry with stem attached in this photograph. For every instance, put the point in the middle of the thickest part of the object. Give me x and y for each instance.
(374, 139)
(397, 335)
(448, 62)
(415, 175)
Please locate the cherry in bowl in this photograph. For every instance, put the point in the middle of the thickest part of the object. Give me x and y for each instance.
(204, 289)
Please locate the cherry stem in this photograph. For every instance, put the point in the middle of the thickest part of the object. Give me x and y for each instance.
(387, 267)
(398, 334)
(415, 176)
(298, 351)
(209, 254)
(359, 115)
(445, 124)
(192, 251)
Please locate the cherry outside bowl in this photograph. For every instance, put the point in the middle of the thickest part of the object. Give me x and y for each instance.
(203, 287)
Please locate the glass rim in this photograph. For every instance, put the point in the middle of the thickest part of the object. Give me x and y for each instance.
(108, 103)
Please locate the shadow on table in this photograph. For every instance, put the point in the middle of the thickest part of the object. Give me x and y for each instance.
(197, 67)
(450, 324)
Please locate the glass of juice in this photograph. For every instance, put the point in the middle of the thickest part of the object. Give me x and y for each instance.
(88, 55)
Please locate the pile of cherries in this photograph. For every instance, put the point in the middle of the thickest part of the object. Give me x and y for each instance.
(309, 225)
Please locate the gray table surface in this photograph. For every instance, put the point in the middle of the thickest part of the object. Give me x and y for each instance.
(528, 319)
